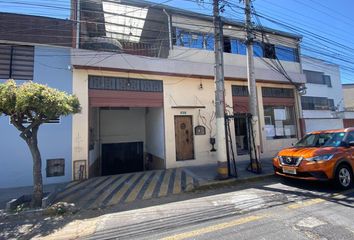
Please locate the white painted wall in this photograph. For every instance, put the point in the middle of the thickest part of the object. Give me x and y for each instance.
(155, 136)
(318, 90)
(322, 124)
(234, 68)
(118, 126)
(232, 60)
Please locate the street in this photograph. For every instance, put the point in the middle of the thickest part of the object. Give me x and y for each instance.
(272, 208)
(269, 210)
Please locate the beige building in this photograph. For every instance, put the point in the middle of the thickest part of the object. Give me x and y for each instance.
(348, 92)
(149, 103)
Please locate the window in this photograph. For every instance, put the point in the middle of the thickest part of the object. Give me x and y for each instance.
(279, 122)
(277, 92)
(321, 140)
(350, 137)
(241, 91)
(238, 47)
(227, 45)
(269, 51)
(286, 53)
(16, 62)
(125, 84)
(317, 103)
(55, 167)
(186, 38)
(258, 49)
(318, 78)
(327, 80)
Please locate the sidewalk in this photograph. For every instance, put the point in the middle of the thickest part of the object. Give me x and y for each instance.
(206, 174)
(7, 194)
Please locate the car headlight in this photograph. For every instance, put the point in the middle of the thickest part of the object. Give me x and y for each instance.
(324, 157)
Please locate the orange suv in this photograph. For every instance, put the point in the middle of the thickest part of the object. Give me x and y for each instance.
(322, 155)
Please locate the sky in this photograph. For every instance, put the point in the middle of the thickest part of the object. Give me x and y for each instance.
(327, 26)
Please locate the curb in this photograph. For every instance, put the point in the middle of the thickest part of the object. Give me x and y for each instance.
(234, 181)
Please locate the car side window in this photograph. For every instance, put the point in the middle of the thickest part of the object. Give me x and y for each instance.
(350, 137)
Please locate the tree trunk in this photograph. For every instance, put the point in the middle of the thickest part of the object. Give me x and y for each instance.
(37, 169)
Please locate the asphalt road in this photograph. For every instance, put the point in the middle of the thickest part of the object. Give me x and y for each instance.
(275, 209)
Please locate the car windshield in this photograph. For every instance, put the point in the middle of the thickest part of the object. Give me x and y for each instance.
(321, 140)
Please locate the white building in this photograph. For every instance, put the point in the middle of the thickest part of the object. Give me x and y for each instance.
(323, 102)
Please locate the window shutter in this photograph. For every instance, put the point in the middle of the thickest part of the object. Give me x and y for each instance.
(16, 62)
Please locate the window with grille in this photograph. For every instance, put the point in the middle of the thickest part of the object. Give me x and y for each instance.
(16, 62)
(241, 91)
(55, 167)
(277, 92)
(317, 103)
(318, 78)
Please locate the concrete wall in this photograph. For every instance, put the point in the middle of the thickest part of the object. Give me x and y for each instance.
(231, 60)
(183, 66)
(118, 126)
(348, 92)
(322, 124)
(50, 67)
(319, 90)
(155, 137)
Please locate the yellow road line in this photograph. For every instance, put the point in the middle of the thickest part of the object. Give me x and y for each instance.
(165, 183)
(306, 203)
(177, 183)
(134, 193)
(150, 189)
(118, 196)
(109, 190)
(214, 228)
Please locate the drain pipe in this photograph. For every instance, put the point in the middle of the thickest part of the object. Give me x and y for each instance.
(78, 21)
(169, 27)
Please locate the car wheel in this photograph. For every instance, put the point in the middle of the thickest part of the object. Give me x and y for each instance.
(344, 177)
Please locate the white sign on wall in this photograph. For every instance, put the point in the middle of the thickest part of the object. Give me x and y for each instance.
(279, 114)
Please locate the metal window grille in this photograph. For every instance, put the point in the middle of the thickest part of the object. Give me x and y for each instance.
(16, 62)
(277, 92)
(125, 84)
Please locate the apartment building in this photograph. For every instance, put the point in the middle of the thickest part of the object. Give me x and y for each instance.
(323, 103)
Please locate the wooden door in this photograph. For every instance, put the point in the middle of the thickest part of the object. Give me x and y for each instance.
(184, 138)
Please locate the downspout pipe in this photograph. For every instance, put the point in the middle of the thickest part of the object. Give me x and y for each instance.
(169, 27)
(78, 20)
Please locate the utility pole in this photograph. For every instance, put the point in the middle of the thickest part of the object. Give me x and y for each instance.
(255, 165)
(219, 93)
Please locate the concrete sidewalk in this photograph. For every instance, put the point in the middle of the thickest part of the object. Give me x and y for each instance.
(7, 194)
(207, 174)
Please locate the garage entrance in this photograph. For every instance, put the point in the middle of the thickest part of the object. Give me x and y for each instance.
(126, 126)
(120, 158)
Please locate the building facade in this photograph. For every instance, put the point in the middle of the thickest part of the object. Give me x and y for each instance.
(323, 103)
(41, 53)
(348, 91)
(144, 75)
